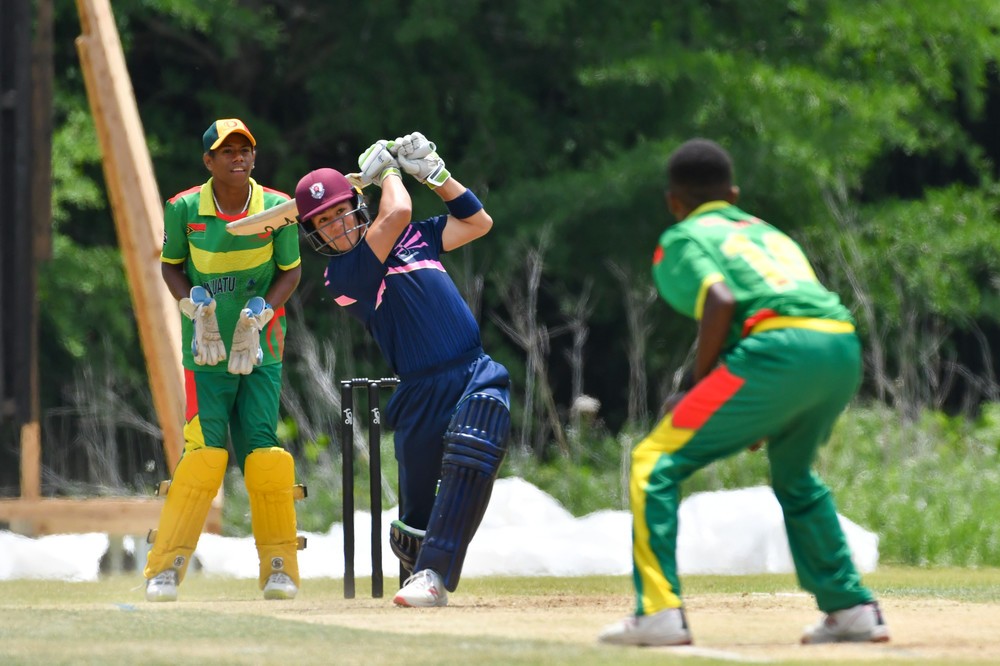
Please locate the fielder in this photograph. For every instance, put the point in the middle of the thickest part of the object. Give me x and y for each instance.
(451, 412)
(777, 360)
(232, 291)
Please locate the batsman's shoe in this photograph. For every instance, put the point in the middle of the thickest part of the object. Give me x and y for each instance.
(858, 624)
(424, 589)
(162, 586)
(280, 586)
(668, 627)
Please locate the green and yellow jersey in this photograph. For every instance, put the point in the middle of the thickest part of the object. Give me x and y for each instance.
(766, 271)
(232, 268)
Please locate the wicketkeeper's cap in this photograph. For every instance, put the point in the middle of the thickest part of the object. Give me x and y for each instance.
(220, 129)
(321, 189)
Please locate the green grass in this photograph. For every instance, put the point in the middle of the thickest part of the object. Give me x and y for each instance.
(220, 620)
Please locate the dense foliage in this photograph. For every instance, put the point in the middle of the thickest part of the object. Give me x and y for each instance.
(867, 130)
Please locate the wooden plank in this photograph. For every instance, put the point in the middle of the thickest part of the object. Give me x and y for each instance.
(138, 213)
(110, 515)
(31, 461)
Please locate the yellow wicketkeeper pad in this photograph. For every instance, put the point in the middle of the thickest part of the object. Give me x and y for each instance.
(196, 481)
(270, 479)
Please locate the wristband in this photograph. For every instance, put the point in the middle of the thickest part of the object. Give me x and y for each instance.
(464, 205)
(388, 171)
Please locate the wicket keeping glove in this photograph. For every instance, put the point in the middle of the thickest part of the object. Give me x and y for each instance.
(245, 353)
(206, 343)
(418, 157)
(375, 163)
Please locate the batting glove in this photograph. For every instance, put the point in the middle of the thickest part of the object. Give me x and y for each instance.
(376, 164)
(206, 343)
(418, 157)
(245, 353)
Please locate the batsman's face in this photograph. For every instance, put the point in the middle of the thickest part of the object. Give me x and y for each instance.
(338, 226)
(232, 162)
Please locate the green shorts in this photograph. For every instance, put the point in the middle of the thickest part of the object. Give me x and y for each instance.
(244, 406)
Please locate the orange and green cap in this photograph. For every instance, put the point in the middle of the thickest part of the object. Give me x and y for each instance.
(220, 129)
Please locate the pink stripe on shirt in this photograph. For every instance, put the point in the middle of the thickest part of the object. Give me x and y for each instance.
(416, 266)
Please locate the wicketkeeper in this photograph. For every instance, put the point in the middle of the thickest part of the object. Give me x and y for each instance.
(231, 290)
(451, 411)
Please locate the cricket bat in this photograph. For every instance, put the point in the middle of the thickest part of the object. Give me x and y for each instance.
(271, 219)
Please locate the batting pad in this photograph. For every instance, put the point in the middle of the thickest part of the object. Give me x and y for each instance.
(196, 481)
(270, 479)
(475, 444)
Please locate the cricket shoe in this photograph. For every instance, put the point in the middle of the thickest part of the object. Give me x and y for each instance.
(162, 586)
(858, 624)
(280, 586)
(424, 589)
(668, 627)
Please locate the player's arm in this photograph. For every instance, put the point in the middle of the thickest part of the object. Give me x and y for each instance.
(717, 314)
(378, 166)
(713, 329)
(461, 230)
(175, 252)
(176, 279)
(395, 209)
(284, 283)
(467, 219)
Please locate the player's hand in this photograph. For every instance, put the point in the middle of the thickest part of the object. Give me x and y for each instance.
(206, 343)
(245, 353)
(418, 157)
(375, 164)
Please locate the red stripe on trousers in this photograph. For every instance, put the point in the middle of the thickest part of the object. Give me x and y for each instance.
(706, 398)
(190, 396)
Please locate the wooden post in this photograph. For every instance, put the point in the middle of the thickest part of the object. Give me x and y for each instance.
(31, 461)
(138, 213)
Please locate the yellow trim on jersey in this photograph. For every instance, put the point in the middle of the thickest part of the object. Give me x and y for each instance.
(256, 198)
(290, 266)
(230, 262)
(206, 203)
(821, 325)
(165, 260)
(657, 593)
(709, 206)
(699, 304)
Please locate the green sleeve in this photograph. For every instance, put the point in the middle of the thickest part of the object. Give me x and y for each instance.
(286, 247)
(175, 245)
(683, 272)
